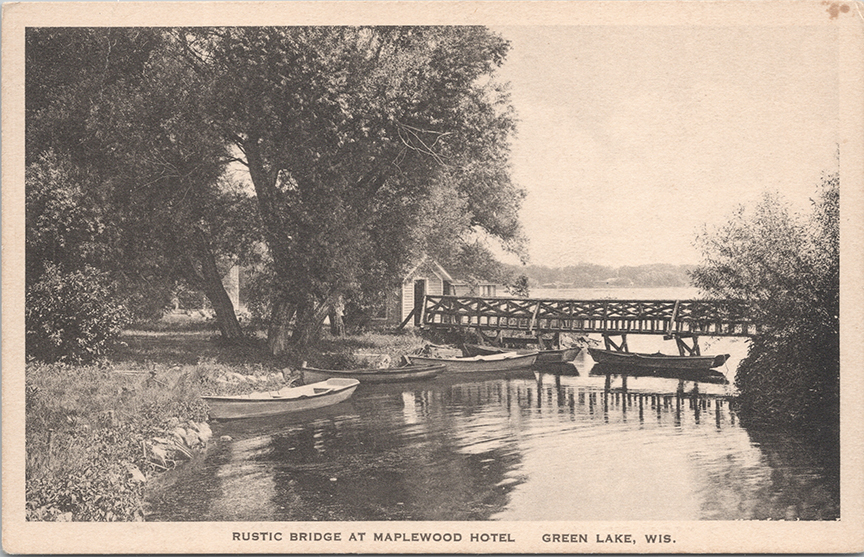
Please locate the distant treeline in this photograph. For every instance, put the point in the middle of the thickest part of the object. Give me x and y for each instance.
(586, 275)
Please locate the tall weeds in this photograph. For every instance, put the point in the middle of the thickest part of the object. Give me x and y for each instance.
(85, 433)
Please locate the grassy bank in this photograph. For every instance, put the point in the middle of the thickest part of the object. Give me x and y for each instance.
(96, 435)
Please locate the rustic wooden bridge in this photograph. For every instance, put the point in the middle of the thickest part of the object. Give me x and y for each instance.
(538, 319)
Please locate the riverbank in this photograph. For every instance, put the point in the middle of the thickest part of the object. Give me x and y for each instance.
(97, 435)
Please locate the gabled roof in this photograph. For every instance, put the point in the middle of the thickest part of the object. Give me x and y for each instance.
(436, 268)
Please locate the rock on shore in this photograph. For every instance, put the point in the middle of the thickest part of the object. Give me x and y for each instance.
(178, 442)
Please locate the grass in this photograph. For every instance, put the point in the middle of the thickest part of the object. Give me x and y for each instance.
(85, 432)
(346, 352)
(88, 426)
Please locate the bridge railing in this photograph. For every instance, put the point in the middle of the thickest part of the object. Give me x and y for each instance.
(705, 317)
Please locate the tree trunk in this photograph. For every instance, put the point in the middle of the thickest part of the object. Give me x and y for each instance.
(309, 323)
(308, 318)
(337, 324)
(279, 329)
(211, 283)
(306, 310)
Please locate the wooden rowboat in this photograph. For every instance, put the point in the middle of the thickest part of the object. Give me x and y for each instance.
(543, 356)
(386, 375)
(493, 362)
(703, 375)
(633, 359)
(283, 401)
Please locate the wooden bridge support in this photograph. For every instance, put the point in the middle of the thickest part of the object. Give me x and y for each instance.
(612, 345)
(684, 349)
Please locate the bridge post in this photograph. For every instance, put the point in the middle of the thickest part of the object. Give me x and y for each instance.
(540, 344)
(610, 344)
(685, 350)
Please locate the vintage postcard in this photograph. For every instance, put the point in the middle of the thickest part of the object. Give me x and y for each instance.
(432, 277)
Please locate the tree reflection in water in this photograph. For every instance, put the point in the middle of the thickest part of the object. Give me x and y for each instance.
(523, 447)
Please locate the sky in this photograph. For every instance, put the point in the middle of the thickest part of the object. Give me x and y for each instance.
(631, 139)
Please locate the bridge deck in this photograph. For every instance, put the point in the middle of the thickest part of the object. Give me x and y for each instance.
(657, 317)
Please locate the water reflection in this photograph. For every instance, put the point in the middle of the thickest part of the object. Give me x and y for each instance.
(522, 447)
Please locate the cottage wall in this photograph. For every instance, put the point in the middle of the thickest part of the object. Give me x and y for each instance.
(407, 297)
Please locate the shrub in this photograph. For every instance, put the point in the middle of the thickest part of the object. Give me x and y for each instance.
(73, 316)
(786, 267)
(99, 487)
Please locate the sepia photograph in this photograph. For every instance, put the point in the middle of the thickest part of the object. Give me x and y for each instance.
(432, 277)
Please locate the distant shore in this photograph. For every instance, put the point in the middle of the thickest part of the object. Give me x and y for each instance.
(618, 293)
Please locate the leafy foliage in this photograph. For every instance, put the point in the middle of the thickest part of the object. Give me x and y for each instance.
(118, 109)
(100, 490)
(519, 286)
(787, 269)
(72, 316)
(64, 225)
(348, 133)
(73, 311)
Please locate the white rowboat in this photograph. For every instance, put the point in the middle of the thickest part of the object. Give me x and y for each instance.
(493, 362)
(283, 401)
(386, 375)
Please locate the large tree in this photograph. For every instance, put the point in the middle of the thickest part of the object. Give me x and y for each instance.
(346, 133)
(787, 268)
(120, 106)
(350, 136)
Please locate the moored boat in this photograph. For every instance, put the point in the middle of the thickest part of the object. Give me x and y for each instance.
(633, 359)
(543, 356)
(493, 362)
(283, 401)
(703, 375)
(372, 375)
(561, 356)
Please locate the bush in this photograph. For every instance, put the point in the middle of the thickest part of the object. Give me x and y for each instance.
(72, 317)
(101, 488)
(786, 267)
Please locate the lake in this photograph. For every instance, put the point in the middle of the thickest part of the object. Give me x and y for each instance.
(522, 446)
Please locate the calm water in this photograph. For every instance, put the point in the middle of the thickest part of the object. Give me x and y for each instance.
(522, 447)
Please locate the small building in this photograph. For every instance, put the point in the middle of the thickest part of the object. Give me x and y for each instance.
(482, 290)
(429, 278)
